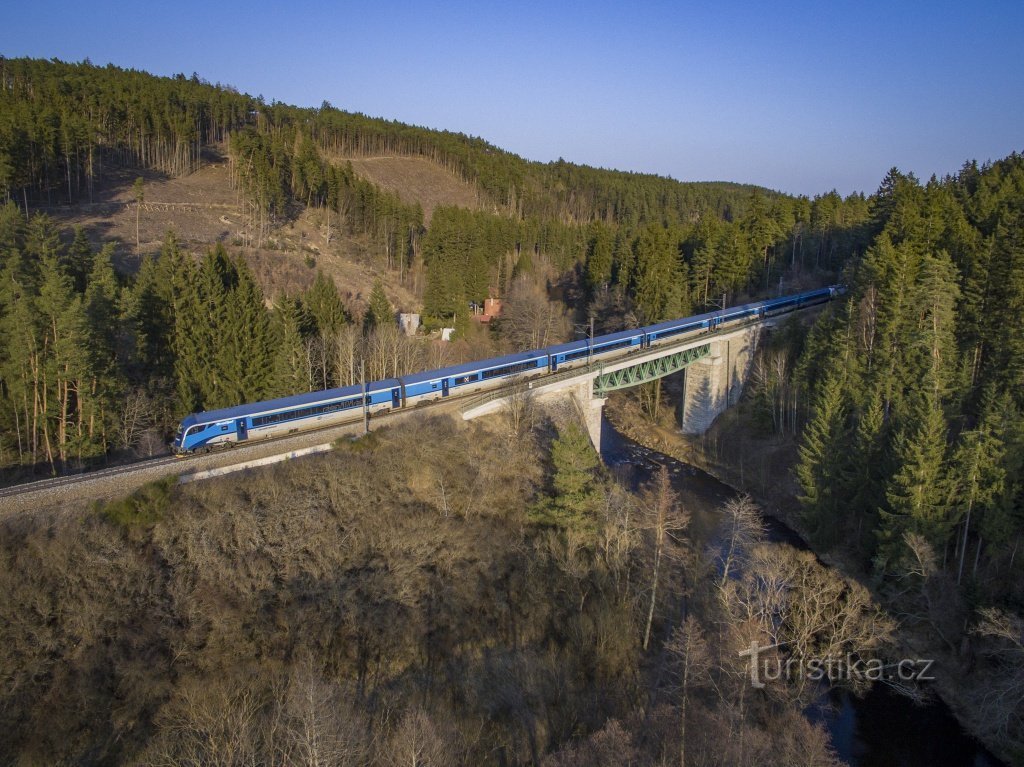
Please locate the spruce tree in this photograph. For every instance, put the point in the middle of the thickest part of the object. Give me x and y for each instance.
(1003, 347)
(575, 485)
(863, 483)
(380, 313)
(245, 348)
(659, 282)
(978, 474)
(323, 302)
(77, 260)
(599, 257)
(822, 457)
(918, 494)
(289, 322)
(102, 313)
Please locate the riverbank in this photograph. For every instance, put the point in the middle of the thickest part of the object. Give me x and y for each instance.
(761, 467)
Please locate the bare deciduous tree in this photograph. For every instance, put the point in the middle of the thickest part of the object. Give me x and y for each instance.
(347, 352)
(742, 527)
(664, 521)
(689, 649)
(520, 410)
(771, 383)
(1002, 699)
(135, 416)
(322, 727)
(529, 319)
(419, 742)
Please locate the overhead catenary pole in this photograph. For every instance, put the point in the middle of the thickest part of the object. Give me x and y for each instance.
(590, 343)
(366, 405)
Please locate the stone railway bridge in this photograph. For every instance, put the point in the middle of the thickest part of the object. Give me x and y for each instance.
(716, 366)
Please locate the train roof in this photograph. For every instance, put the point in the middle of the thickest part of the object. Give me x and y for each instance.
(731, 310)
(472, 367)
(583, 342)
(285, 403)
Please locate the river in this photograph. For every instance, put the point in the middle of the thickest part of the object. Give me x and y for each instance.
(881, 729)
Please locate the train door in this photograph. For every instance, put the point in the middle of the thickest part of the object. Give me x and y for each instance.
(554, 363)
(396, 398)
(444, 387)
(241, 431)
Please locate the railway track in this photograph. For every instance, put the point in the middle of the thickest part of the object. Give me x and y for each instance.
(72, 479)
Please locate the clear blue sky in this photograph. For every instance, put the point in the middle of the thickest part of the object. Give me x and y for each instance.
(798, 96)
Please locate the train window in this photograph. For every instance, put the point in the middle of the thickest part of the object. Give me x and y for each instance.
(508, 370)
(307, 412)
(611, 347)
(677, 331)
(465, 379)
(223, 427)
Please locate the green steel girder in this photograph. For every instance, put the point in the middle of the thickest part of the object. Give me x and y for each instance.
(648, 371)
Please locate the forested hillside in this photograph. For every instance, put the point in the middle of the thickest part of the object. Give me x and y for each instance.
(61, 121)
(913, 459)
(93, 358)
(919, 376)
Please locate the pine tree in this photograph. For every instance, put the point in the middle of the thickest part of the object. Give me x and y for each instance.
(22, 352)
(139, 193)
(63, 344)
(12, 233)
(761, 229)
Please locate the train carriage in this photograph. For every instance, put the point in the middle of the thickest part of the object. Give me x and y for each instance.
(471, 376)
(272, 418)
(576, 352)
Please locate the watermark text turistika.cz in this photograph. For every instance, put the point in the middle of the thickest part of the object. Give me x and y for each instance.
(766, 667)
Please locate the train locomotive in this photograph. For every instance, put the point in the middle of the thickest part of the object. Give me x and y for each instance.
(202, 432)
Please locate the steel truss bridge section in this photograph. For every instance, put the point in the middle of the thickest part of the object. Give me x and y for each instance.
(650, 370)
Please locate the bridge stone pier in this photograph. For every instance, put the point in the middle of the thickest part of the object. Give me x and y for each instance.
(714, 383)
(592, 408)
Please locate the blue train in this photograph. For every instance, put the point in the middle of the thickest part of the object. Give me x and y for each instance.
(201, 432)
